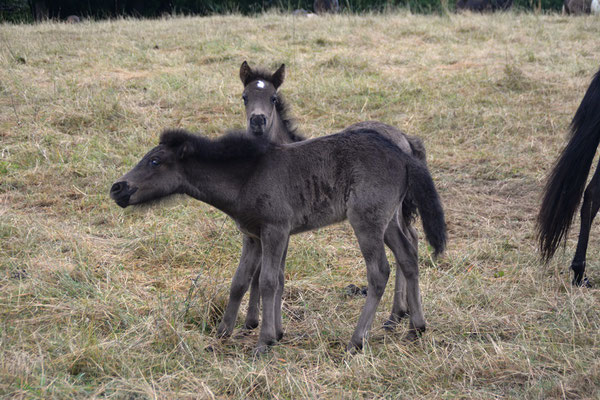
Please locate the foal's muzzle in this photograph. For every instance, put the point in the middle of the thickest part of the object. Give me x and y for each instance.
(120, 192)
(258, 123)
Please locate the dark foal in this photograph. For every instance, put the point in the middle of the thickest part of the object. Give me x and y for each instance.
(267, 116)
(274, 191)
(565, 184)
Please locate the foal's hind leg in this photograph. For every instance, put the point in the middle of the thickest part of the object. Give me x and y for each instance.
(279, 297)
(254, 302)
(370, 240)
(405, 251)
(400, 305)
(589, 209)
(251, 251)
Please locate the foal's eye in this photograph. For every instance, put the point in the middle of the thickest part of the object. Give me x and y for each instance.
(245, 98)
(155, 162)
(274, 99)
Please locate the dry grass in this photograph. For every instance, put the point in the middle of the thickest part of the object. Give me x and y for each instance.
(91, 297)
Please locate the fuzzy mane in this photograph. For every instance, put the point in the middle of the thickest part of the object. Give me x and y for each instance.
(234, 145)
(288, 121)
(282, 107)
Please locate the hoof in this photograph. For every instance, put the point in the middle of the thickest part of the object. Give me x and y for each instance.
(354, 348)
(579, 278)
(394, 320)
(279, 336)
(582, 282)
(390, 325)
(353, 290)
(261, 350)
(251, 324)
(223, 332)
(414, 334)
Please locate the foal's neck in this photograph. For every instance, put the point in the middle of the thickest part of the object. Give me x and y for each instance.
(218, 184)
(280, 131)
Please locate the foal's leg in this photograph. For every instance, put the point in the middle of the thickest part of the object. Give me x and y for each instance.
(406, 256)
(279, 296)
(400, 306)
(251, 250)
(254, 302)
(274, 243)
(370, 240)
(589, 209)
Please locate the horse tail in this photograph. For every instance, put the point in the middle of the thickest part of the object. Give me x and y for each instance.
(565, 184)
(422, 192)
(409, 208)
(417, 147)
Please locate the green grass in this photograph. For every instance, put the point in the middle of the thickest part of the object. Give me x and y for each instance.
(92, 297)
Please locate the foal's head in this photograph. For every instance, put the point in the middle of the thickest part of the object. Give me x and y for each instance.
(157, 175)
(261, 98)
(165, 170)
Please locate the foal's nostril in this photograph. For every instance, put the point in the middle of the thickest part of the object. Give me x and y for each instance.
(117, 188)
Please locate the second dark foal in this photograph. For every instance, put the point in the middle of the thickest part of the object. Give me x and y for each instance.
(267, 116)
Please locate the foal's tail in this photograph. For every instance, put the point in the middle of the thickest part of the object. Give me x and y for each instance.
(566, 182)
(421, 190)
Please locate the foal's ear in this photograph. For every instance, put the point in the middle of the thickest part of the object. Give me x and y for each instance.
(185, 149)
(245, 72)
(278, 76)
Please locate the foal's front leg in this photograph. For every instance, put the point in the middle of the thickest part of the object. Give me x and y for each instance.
(254, 302)
(274, 243)
(251, 250)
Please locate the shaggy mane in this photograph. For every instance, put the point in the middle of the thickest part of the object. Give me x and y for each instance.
(282, 107)
(288, 121)
(232, 146)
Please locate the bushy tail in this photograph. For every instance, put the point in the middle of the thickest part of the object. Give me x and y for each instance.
(566, 182)
(422, 192)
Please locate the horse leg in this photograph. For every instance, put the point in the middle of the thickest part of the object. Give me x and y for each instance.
(251, 250)
(279, 297)
(400, 306)
(254, 302)
(370, 240)
(589, 209)
(405, 252)
(274, 243)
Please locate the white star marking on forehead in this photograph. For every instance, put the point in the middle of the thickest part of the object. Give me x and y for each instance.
(260, 84)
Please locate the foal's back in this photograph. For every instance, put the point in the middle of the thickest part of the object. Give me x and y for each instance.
(315, 182)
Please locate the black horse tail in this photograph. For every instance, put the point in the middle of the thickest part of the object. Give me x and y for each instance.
(422, 192)
(566, 182)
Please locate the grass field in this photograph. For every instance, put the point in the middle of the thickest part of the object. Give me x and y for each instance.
(92, 297)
